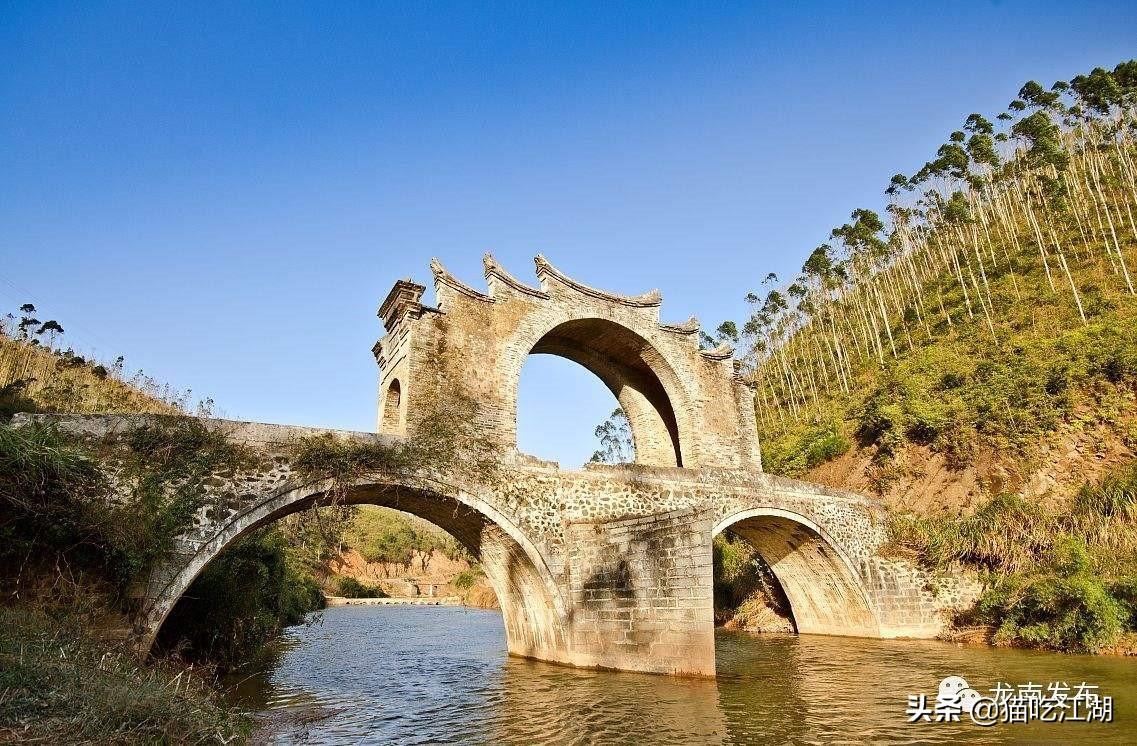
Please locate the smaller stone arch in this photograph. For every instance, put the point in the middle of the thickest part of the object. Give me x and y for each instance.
(392, 408)
(822, 585)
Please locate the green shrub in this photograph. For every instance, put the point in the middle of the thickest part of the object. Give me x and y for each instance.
(809, 447)
(352, 588)
(1124, 590)
(828, 444)
(54, 504)
(168, 464)
(57, 507)
(61, 686)
(466, 579)
(240, 601)
(1065, 607)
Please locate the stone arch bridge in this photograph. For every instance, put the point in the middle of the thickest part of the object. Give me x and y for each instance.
(607, 566)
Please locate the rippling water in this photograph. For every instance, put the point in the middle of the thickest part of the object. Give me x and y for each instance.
(441, 674)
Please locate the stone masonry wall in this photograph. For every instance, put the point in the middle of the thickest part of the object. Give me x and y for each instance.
(605, 567)
(641, 592)
(477, 343)
(608, 566)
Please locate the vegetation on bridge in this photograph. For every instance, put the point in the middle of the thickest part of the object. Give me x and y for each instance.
(73, 555)
(443, 449)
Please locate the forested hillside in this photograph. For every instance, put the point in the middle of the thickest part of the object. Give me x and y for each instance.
(993, 302)
(971, 356)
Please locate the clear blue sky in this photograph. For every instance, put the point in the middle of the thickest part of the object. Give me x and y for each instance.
(224, 194)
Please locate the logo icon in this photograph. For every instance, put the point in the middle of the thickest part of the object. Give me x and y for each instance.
(1057, 702)
(956, 695)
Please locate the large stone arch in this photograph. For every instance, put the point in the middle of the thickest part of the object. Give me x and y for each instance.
(819, 579)
(687, 406)
(531, 603)
(636, 373)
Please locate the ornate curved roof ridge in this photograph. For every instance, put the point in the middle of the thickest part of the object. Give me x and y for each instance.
(443, 277)
(690, 326)
(722, 352)
(646, 300)
(493, 269)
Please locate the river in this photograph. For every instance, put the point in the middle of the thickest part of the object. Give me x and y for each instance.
(413, 675)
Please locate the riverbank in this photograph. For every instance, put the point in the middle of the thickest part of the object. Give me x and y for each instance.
(61, 684)
(985, 636)
(402, 601)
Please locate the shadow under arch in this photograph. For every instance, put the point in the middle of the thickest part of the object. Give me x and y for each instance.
(645, 384)
(820, 582)
(531, 605)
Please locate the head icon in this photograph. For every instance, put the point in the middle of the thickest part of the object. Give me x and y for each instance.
(967, 700)
(950, 689)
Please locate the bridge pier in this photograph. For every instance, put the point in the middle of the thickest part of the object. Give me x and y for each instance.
(642, 593)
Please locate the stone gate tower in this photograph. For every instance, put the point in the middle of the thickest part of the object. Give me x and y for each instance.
(687, 407)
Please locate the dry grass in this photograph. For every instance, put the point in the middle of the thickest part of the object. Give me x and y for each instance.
(59, 686)
(34, 378)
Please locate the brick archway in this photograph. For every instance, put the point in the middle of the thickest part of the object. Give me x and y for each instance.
(633, 371)
(820, 581)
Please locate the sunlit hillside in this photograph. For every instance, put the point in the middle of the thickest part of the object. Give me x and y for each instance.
(972, 359)
(988, 321)
(38, 373)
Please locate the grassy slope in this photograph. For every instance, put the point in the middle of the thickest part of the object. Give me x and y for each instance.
(976, 401)
(386, 535)
(994, 450)
(59, 685)
(62, 677)
(34, 378)
(398, 543)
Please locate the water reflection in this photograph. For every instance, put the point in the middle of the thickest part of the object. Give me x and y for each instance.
(543, 704)
(438, 674)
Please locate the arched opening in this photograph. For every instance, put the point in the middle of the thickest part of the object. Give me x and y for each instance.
(392, 403)
(526, 594)
(627, 364)
(816, 583)
(560, 404)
